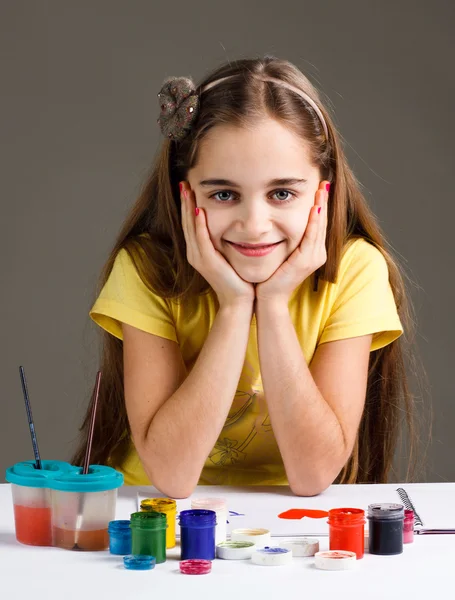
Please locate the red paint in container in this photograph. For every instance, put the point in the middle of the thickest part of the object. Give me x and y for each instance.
(195, 566)
(347, 530)
(33, 525)
(408, 527)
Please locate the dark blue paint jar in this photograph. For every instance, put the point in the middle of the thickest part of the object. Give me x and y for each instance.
(119, 537)
(197, 534)
(386, 528)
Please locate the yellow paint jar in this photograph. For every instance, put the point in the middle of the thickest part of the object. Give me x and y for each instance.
(169, 508)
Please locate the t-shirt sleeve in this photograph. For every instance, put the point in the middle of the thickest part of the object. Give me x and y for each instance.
(126, 299)
(364, 302)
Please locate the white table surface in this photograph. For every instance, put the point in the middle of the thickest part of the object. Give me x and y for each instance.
(424, 570)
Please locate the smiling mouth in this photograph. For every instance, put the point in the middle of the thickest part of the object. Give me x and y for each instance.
(253, 246)
(254, 250)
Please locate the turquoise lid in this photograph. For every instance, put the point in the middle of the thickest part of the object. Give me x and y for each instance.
(59, 475)
(98, 479)
(25, 473)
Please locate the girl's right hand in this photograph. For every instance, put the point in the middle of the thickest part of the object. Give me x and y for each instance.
(229, 287)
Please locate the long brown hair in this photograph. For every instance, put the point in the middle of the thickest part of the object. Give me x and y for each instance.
(160, 256)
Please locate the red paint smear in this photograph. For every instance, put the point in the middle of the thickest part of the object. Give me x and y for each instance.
(299, 513)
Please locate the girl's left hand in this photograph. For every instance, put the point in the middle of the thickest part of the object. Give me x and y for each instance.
(306, 258)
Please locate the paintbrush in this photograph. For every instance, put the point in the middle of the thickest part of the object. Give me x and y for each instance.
(85, 468)
(425, 531)
(31, 425)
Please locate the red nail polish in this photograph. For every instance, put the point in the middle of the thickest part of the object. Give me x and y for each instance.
(327, 186)
(319, 210)
(197, 211)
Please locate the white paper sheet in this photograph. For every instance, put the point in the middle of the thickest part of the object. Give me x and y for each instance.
(261, 506)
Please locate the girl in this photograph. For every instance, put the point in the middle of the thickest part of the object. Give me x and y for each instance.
(251, 310)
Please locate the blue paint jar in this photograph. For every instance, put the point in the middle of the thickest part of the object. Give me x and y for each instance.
(197, 534)
(119, 537)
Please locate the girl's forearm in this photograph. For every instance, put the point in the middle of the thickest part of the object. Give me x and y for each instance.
(185, 429)
(307, 431)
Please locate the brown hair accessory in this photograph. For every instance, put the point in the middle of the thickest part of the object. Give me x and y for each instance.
(179, 104)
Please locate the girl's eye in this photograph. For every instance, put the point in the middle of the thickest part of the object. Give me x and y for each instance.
(219, 196)
(288, 195)
(281, 196)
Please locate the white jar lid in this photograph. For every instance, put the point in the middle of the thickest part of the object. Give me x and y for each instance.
(335, 560)
(301, 546)
(235, 550)
(260, 537)
(272, 556)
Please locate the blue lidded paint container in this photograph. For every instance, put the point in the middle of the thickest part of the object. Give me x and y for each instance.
(197, 534)
(139, 562)
(67, 509)
(119, 537)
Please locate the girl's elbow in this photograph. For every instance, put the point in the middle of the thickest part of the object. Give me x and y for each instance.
(307, 490)
(173, 487)
(311, 487)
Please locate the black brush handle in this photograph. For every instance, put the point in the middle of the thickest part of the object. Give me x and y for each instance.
(31, 425)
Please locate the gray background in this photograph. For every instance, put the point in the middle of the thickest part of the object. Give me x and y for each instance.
(78, 132)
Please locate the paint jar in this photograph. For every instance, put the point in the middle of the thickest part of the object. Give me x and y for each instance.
(169, 508)
(32, 500)
(148, 531)
(119, 537)
(347, 530)
(197, 534)
(83, 506)
(408, 527)
(385, 528)
(220, 507)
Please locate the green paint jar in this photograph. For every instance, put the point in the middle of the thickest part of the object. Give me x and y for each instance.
(148, 534)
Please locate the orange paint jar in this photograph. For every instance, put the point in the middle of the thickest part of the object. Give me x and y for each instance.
(347, 530)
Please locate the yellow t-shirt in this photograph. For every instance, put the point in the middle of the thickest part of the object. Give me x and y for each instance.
(361, 302)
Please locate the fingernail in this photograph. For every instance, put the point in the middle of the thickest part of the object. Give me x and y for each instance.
(327, 186)
(197, 211)
(180, 186)
(319, 210)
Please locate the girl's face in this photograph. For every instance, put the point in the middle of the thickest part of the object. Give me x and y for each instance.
(257, 186)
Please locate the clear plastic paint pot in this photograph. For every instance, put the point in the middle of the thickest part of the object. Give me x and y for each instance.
(169, 508)
(75, 508)
(386, 528)
(219, 506)
(197, 534)
(83, 506)
(408, 527)
(119, 537)
(148, 531)
(347, 530)
(32, 500)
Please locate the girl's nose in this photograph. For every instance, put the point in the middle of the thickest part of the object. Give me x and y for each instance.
(255, 220)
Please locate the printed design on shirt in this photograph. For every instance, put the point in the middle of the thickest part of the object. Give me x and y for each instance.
(225, 452)
(229, 451)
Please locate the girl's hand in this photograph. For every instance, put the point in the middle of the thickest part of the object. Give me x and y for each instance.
(306, 258)
(229, 287)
